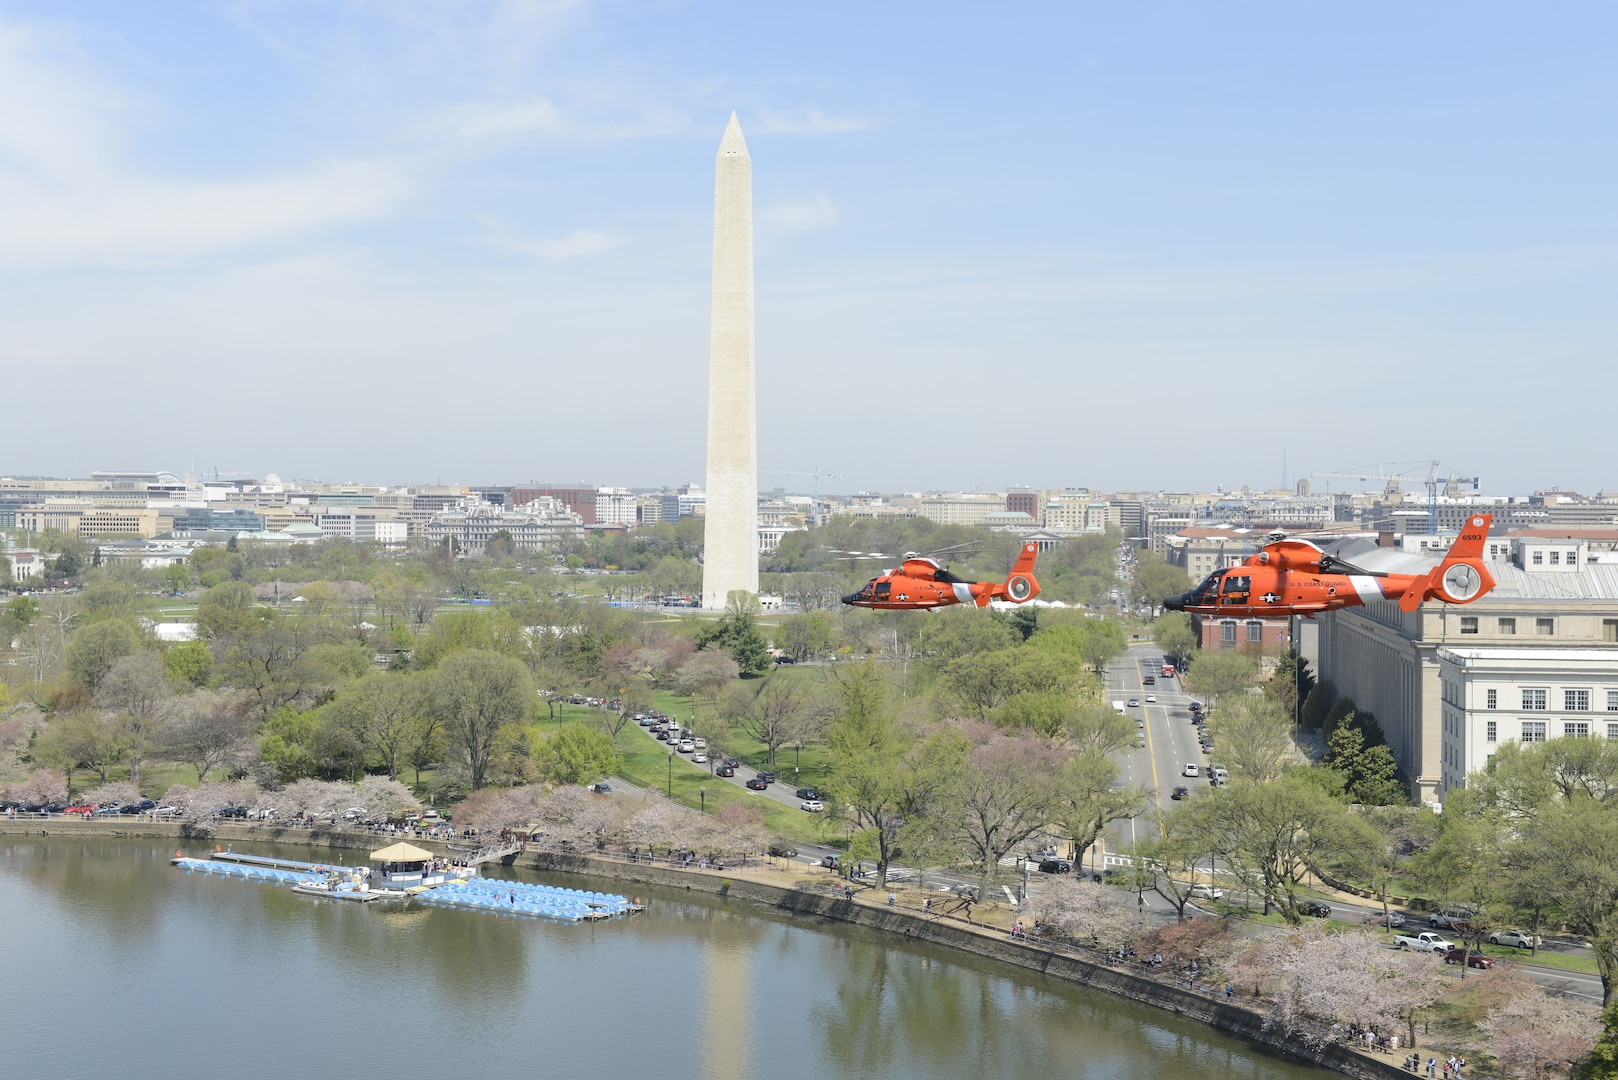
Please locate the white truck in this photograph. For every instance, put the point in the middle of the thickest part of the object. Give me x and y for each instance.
(1119, 705)
(1427, 942)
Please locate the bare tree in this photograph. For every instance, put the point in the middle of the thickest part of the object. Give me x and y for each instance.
(776, 710)
(209, 729)
(137, 689)
(1000, 791)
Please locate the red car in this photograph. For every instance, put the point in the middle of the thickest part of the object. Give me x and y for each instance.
(1477, 959)
(83, 808)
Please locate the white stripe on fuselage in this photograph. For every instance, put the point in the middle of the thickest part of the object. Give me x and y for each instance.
(1367, 587)
(963, 592)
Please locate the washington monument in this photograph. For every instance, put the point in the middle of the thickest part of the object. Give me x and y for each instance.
(730, 547)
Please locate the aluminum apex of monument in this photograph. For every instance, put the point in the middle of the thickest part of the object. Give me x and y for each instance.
(730, 528)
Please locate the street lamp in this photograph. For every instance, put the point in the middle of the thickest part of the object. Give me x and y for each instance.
(702, 793)
(671, 772)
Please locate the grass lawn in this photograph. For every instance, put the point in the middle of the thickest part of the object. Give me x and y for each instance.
(647, 764)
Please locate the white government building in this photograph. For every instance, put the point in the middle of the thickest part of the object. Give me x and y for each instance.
(1536, 658)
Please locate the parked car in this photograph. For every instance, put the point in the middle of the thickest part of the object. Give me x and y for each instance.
(1393, 919)
(1515, 938)
(780, 850)
(758, 783)
(1424, 942)
(241, 812)
(814, 806)
(1315, 908)
(1181, 792)
(1206, 892)
(82, 808)
(1055, 866)
(1477, 959)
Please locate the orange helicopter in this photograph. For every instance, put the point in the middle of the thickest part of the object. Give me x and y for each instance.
(920, 584)
(1294, 577)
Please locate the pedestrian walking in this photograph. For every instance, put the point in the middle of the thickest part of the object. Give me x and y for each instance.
(1432, 1066)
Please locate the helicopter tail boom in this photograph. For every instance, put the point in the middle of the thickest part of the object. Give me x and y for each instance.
(1462, 577)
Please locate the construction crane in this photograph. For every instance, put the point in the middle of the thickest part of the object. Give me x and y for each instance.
(1390, 480)
(814, 512)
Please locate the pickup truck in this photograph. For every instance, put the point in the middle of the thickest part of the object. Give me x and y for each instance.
(1427, 942)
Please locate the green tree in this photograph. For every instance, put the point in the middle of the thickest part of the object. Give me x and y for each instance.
(1273, 835)
(978, 684)
(1173, 635)
(94, 649)
(577, 754)
(177, 579)
(84, 740)
(1254, 737)
(1370, 775)
(188, 664)
(1155, 579)
(804, 637)
(881, 777)
(385, 713)
(739, 636)
(1317, 705)
(477, 695)
(288, 744)
(1220, 673)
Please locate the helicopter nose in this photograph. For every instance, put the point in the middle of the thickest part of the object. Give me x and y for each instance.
(850, 598)
(1175, 602)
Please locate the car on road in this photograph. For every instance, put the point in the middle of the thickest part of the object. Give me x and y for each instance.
(1150, 680)
(814, 806)
(1151, 699)
(1181, 792)
(808, 793)
(1515, 938)
(830, 861)
(1055, 866)
(686, 746)
(1134, 703)
(699, 758)
(725, 770)
(662, 734)
(1190, 769)
(1476, 959)
(781, 850)
(700, 744)
(1425, 942)
(758, 784)
(1206, 892)
(767, 776)
(1314, 908)
(1394, 918)
(1041, 856)
(601, 788)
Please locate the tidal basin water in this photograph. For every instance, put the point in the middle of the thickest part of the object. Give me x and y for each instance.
(117, 965)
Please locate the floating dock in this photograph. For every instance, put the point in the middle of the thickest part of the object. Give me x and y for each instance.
(471, 893)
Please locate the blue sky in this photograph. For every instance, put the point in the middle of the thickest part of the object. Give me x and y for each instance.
(1125, 246)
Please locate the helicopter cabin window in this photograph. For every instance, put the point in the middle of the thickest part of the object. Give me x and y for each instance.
(1236, 589)
(882, 590)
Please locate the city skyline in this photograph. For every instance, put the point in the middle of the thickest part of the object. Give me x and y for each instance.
(1137, 250)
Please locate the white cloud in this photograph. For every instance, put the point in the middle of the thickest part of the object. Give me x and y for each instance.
(478, 121)
(805, 122)
(67, 194)
(576, 244)
(816, 213)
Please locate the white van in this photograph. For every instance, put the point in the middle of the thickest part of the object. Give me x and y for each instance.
(1218, 773)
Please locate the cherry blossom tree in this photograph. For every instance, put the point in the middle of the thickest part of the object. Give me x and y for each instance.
(659, 824)
(1536, 1035)
(490, 810)
(42, 786)
(383, 797)
(1094, 914)
(574, 819)
(119, 791)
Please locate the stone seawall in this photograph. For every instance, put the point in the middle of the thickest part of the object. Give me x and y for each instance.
(63, 827)
(989, 943)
